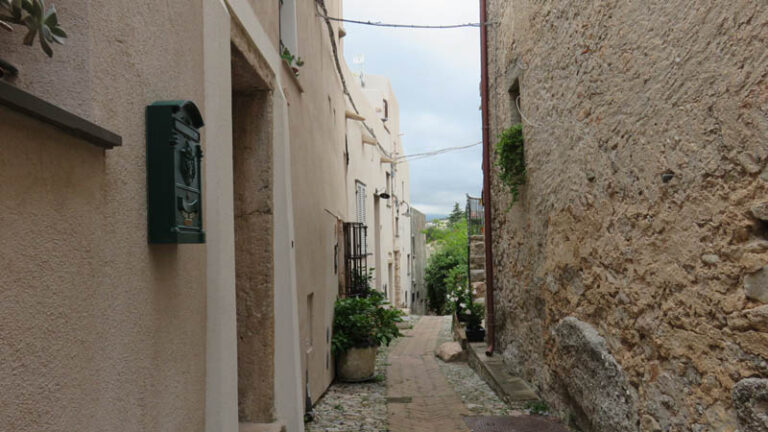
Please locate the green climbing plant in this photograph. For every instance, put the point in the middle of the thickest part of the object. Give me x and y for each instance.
(510, 159)
(39, 21)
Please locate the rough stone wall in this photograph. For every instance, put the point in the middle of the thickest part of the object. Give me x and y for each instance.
(254, 252)
(646, 128)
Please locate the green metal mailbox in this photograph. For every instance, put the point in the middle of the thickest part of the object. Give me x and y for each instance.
(174, 186)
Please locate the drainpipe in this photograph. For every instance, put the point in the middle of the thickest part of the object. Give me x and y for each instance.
(488, 235)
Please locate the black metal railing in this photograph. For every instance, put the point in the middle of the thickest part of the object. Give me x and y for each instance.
(357, 277)
(475, 211)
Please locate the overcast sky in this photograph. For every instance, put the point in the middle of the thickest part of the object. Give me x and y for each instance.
(436, 78)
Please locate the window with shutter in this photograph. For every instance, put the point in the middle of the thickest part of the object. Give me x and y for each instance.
(361, 216)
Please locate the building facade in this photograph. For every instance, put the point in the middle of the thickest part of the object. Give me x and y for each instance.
(419, 305)
(378, 184)
(630, 275)
(103, 330)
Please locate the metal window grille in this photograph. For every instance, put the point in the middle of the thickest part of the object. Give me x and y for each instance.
(475, 211)
(356, 259)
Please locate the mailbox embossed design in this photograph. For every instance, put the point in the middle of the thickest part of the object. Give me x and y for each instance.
(174, 184)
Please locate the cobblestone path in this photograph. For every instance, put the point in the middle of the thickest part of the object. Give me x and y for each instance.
(419, 397)
(413, 390)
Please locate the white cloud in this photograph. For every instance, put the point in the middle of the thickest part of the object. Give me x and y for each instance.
(456, 48)
(435, 75)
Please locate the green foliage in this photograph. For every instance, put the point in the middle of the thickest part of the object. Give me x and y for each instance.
(474, 315)
(362, 322)
(362, 281)
(379, 378)
(457, 214)
(458, 300)
(537, 408)
(293, 61)
(510, 158)
(447, 266)
(38, 20)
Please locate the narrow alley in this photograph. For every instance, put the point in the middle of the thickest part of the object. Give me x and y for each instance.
(415, 391)
(383, 216)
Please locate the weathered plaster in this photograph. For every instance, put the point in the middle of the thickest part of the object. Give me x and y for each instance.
(646, 126)
(101, 331)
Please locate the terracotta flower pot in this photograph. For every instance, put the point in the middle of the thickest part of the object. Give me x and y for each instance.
(356, 364)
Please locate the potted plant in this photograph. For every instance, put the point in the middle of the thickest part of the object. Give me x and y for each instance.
(474, 315)
(291, 60)
(360, 325)
(38, 20)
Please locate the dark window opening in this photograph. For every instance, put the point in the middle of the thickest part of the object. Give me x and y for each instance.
(516, 103)
(356, 276)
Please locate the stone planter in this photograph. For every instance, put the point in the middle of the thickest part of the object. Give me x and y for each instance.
(475, 335)
(356, 365)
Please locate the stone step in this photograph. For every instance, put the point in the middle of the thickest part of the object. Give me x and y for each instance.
(477, 238)
(492, 369)
(477, 249)
(477, 275)
(479, 287)
(477, 262)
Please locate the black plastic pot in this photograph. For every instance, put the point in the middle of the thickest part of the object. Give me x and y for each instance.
(475, 335)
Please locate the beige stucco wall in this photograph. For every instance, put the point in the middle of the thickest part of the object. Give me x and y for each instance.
(101, 331)
(256, 37)
(366, 166)
(615, 94)
(221, 338)
(317, 138)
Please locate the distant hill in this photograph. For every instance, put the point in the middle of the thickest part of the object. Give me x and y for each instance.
(431, 217)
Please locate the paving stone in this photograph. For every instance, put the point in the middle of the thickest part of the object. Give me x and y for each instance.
(354, 407)
(416, 392)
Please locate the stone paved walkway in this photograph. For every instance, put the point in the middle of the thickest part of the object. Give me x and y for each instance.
(414, 391)
(419, 396)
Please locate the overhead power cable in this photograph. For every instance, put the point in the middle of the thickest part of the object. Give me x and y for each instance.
(416, 156)
(320, 6)
(410, 26)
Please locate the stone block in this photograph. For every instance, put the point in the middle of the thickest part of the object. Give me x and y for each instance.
(478, 289)
(750, 319)
(593, 378)
(750, 400)
(760, 211)
(477, 249)
(756, 285)
(477, 262)
(477, 275)
(450, 352)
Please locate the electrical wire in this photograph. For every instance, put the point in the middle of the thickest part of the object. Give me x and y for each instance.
(409, 26)
(320, 4)
(417, 156)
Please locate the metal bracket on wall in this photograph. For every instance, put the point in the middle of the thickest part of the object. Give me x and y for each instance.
(24, 102)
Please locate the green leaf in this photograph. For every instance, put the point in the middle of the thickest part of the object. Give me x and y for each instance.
(50, 19)
(59, 32)
(29, 39)
(44, 43)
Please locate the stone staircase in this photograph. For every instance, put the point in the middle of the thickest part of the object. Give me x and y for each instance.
(477, 266)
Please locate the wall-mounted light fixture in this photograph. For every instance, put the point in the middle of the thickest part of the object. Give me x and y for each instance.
(382, 195)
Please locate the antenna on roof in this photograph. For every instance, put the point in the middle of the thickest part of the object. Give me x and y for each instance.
(360, 60)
